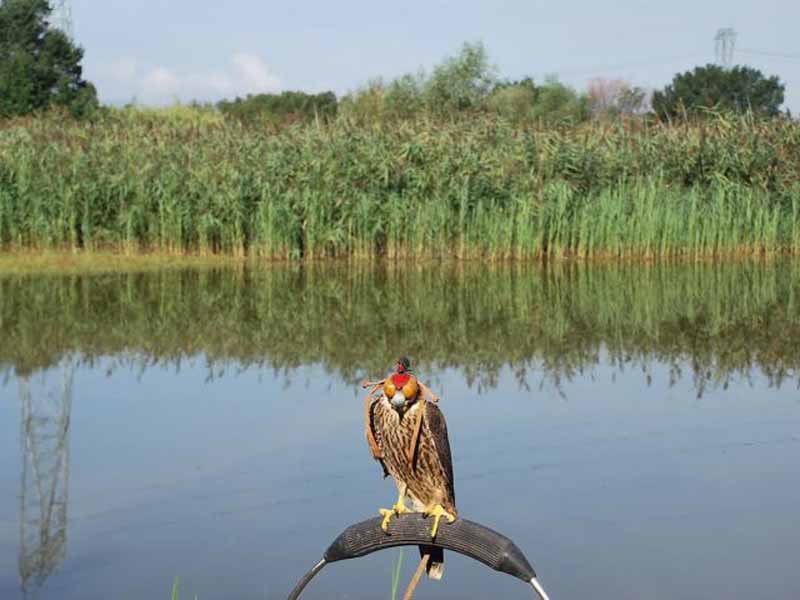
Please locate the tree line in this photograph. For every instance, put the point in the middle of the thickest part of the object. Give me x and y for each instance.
(468, 82)
(40, 67)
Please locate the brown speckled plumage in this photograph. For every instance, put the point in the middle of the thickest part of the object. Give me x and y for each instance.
(429, 480)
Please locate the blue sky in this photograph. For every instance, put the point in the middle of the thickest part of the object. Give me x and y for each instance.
(162, 51)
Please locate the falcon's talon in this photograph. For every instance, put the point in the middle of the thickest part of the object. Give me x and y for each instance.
(397, 510)
(437, 512)
(387, 514)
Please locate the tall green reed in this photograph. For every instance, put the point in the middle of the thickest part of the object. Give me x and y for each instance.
(473, 189)
(396, 570)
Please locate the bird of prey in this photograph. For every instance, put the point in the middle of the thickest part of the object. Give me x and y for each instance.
(407, 434)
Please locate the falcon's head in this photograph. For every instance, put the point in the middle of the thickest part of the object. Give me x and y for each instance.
(401, 387)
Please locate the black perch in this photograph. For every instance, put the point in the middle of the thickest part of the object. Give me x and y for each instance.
(462, 536)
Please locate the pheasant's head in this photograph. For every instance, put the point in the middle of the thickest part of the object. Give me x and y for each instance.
(401, 389)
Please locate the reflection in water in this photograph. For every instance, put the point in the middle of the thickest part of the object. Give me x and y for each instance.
(172, 475)
(555, 321)
(44, 450)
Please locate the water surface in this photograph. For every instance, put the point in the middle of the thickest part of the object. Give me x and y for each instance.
(634, 429)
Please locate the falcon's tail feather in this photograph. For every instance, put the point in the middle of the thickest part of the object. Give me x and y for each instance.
(436, 563)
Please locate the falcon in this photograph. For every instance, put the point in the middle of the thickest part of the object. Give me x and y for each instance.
(407, 434)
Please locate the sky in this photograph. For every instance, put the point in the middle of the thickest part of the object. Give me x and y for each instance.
(161, 52)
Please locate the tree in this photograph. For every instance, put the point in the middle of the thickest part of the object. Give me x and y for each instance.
(610, 98)
(740, 89)
(461, 82)
(514, 100)
(284, 107)
(633, 101)
(559, 104)
(364, 105)
(403, 97)
(39, 66)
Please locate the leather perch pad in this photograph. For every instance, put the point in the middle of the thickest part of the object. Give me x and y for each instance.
(465, 537)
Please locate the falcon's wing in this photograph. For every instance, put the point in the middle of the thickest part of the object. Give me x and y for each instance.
(372, 438)
(438, 429)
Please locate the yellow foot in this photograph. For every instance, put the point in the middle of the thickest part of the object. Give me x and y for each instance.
(388, 513)
(437, 512)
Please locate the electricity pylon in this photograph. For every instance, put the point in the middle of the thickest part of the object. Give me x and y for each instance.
(46, 400)
(61, 17)
(724, 43)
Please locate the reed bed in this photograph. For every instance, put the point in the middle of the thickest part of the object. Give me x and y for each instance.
(474, 188)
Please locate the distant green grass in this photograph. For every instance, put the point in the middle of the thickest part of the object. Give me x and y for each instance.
(178, 183)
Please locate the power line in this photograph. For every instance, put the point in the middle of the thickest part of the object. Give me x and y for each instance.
(61, 17)
(620, 66)
(789, 57)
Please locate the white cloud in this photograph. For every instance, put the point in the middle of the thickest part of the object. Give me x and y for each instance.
(127, 78)
(160, 83)
(254, 72)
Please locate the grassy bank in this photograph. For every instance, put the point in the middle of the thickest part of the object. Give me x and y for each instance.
(26, 262)
(190, 182)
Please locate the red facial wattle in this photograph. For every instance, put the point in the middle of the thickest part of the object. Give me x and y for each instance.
(400, 379)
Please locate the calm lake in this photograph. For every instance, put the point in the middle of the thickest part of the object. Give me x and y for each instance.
(634, 429)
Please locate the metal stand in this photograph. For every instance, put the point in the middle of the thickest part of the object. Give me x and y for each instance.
(462, 536)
